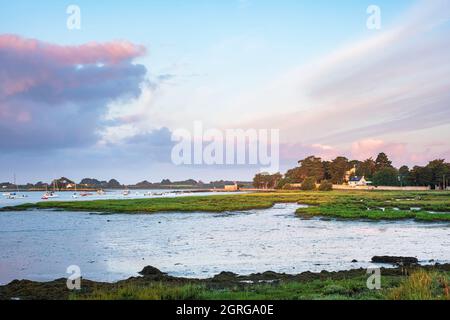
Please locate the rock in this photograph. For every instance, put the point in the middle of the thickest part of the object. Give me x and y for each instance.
(403, 261)
(354, 261)
(150, 271)
(225, 276)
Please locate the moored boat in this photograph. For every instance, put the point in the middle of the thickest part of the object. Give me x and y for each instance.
(49, 195)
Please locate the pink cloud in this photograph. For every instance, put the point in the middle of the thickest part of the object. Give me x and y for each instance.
(90, 53)
(368, 148)
(24, 117)
(46, 86)
(49, 60)
(397, 152)
(294, 152)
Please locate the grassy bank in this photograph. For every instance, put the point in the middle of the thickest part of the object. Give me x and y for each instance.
(420, 285)
(218, 203)
(353, 288)
(420, 206)
(431, 282)
(371, 205)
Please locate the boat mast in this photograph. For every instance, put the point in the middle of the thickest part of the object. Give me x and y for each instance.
(17, 187)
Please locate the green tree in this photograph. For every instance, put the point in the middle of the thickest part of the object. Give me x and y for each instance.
(366, 169)
(404, 176)
(326, 185)
(354, 163)
(326, 170)
(295, 175)
(266, 181)
(309, 184)
(421, 176)
(438, 169)
(312, 167)
(382, 162)
(338, 168)
(283, 183)
(386, 177)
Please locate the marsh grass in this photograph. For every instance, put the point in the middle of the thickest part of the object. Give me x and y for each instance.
(319, 289)
(154, 291)
(367, 205)
(383, 206)
(422, 285)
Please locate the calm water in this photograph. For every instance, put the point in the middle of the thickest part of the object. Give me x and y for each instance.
(40, 245)
(32, 197)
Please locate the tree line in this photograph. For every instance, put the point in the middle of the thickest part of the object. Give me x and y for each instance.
(313, 170)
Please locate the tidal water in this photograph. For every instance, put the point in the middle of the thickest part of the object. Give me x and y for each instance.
(35, 196)
(40, 245)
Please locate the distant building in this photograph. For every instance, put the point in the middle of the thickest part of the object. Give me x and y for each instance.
(233, 187)
(358, 182)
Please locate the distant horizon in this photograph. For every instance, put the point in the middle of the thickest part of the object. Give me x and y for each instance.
(159, 181)
(100, 90)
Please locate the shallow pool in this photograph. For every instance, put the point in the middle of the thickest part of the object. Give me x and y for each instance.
(40, 245)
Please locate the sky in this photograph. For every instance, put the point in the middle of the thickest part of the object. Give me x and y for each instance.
(103, 101)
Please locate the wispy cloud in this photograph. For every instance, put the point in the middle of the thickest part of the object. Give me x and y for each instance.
(394, 82)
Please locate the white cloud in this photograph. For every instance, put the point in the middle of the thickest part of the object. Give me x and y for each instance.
(396, 81)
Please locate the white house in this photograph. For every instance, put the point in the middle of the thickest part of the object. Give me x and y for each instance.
(358, 182)
(231, 188)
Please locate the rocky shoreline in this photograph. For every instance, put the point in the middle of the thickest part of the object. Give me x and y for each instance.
(57, 289)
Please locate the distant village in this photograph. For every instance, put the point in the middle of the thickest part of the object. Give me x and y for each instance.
(341, 173)
(66, 184)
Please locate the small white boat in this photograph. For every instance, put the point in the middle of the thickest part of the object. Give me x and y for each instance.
(126, 193)
(49, 195)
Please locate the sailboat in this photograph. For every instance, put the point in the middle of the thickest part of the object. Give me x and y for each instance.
(14, 195)
(75, 195)
(51, 194)
(7, 194)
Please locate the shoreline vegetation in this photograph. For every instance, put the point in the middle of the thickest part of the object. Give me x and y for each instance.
(401, 283)
(64, 184)
(424, 206)
(405, 282)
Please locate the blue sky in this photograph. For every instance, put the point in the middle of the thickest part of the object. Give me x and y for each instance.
(280, 61)
(295, 29)
(185, 31)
